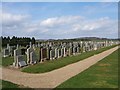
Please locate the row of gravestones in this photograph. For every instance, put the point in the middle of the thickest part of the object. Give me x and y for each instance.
(19, 59)
(69, 43)
(9, 51)
(51, 51)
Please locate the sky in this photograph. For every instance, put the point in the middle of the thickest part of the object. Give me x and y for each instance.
(60, 20)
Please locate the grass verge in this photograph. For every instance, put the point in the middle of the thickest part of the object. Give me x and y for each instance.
(104, 74)
(6, 84)
(61, 62)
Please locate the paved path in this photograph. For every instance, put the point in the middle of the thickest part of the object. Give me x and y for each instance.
(55, 77)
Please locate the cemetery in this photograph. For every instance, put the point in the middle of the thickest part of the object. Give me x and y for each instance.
(49, 56)
(59, 44)
(39, 53)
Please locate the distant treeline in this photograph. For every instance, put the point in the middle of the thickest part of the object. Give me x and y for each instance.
(23, 41)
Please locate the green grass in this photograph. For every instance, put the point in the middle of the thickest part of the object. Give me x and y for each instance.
(55, 64)
(104, 74)
(6, 61)
(6, 84)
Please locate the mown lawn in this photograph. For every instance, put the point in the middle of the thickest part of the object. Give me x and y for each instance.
(55, 64)
(104, 74)
(6, 84)
(6, 61)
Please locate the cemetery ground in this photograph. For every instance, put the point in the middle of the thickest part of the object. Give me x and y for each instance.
(61, 62)
(39, 80)
(104, 74)
(53, 64)
(6, 85)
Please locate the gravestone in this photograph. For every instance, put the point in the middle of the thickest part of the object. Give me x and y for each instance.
(33, 59)
(20, 61)
(5, 52)
(23, 51)
(43, 54)
(95, 46)
(17, 46)
(51, 55)
(17, 52)
(12, 50)
(56, 53)
(74, 50)
(48, 53)
(30, 44)
(29, 50)
(70, 51)
(8, 46)
(78, 50)
(34, 46)
(64, 54)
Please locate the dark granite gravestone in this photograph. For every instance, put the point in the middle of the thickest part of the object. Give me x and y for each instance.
(48, 53)
(23, 51)
(44, 53)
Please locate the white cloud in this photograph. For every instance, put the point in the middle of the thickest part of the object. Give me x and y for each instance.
(51, 22)
(58, 27)
(9, 19)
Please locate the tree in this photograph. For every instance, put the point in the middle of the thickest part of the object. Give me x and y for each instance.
(33, 40)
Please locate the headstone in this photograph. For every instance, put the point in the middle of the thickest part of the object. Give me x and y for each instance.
(30, 44)
(56, 52)
(12, 50)
(70, 51)
(51, 55)
(17, 52)
(29, 50)
(43, 54)
(20, 61)
(48, 53)
(17, 46)
(23, 51)
(8, 46)
(64, 54)
(5, 52)
(74, 50)
(34, 46)
(33, 59)
(95, 46)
